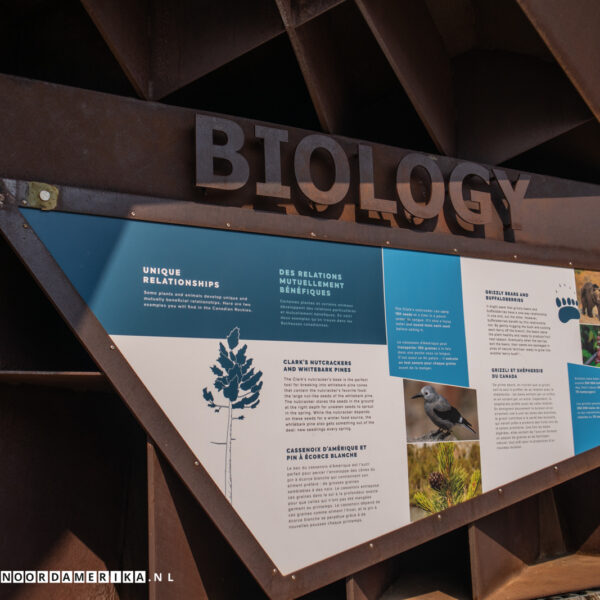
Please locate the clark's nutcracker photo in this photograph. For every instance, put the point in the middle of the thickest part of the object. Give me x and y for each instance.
(443, 415)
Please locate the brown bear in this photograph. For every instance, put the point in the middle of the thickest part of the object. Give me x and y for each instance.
(590, 297)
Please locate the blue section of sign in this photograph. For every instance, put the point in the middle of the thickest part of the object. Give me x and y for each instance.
(168, 280)
(425, 320)
(584, 387)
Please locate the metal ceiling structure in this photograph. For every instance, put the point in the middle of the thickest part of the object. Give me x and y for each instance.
(437, 76)
(98, 94)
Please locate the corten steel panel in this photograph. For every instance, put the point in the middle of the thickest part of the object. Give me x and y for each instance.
(502, 544)
(131, 146)
(439, 568)
(512, 544)
(577, 504)
(72, 496)
(559, 576)
(88, 330)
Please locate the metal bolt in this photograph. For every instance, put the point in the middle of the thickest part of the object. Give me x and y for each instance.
(25, 226)
(112, 346)
(196, 463)
(294, 577)
(24, 202)
(44, 195)
(274, 571)
(514, 256)
(439, 517)
(455, 250)
(500, 491)
(371, 545)
(133, 213)
(555, 468)
(387, 242)
(228, 225)
(570, 264)
(313, 234)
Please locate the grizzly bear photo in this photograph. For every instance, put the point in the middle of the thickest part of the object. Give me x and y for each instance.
(590, 297)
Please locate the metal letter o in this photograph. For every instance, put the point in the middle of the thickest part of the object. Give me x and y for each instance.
(341, 184)
(436, 198)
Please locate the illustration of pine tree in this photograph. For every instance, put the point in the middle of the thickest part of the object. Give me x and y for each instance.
(449, 485)
(240, 385)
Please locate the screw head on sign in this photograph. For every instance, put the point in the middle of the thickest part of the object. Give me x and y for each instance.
(44, 195)
(133, 213)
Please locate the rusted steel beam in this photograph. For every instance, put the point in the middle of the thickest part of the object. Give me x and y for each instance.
(169, 552)
(311, 43)
(298, 12)
(184, 543)
(570, 30)
(125, 27)
(413, 46)
(501, 113)
(191, 39)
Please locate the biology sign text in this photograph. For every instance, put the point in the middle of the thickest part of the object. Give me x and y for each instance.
(221, 164)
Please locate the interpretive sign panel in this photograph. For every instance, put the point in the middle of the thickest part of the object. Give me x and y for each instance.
(334, 392)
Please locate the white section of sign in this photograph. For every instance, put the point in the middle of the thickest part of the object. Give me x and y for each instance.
(518, 349)
(319, 465)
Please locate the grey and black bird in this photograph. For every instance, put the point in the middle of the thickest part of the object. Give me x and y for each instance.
(441, 412)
